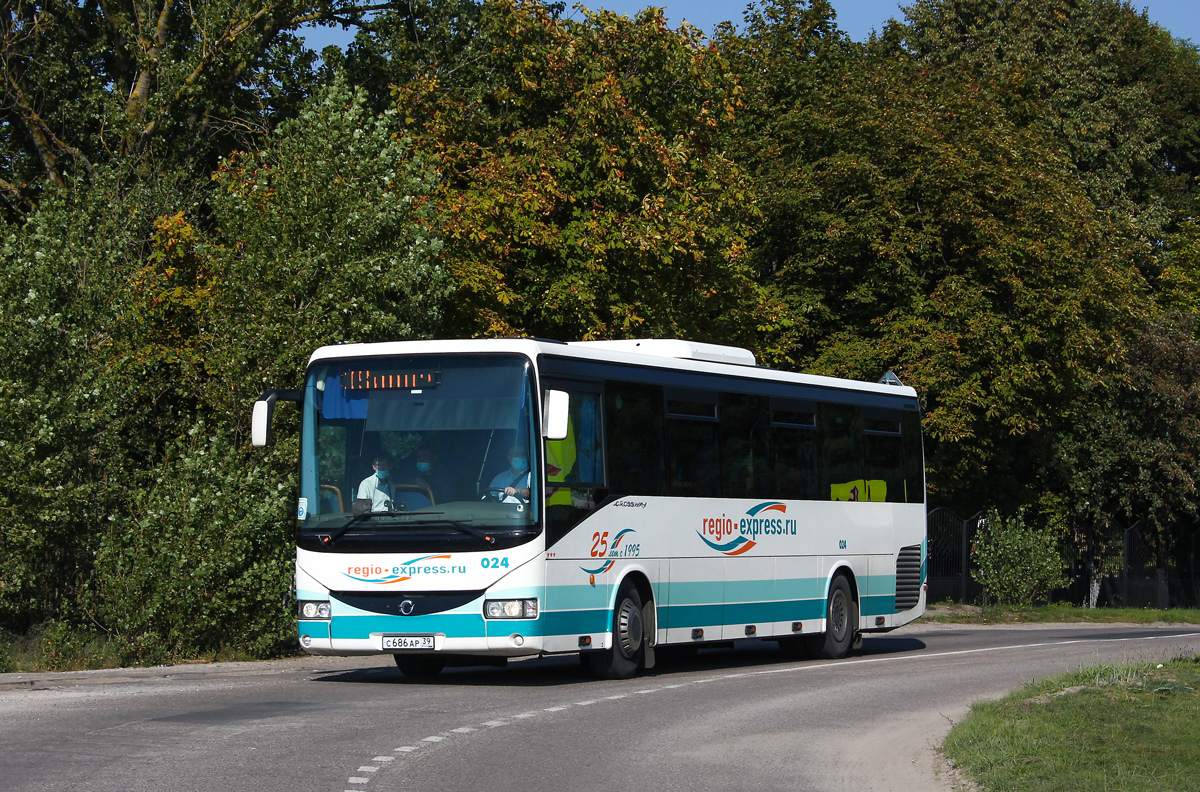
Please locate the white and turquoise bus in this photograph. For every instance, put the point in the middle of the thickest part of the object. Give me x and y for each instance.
(606, 498)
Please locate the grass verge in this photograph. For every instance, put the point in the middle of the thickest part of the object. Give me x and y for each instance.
(953, 613)
(55, 646)
(1131, 728)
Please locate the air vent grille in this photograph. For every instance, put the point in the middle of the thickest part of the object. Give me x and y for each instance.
(908, 577)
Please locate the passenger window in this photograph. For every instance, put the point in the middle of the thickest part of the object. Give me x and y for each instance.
(883, 452)
(794, 452)
(578, 458)
(914, 461)
(575, 465)
(794, 449)
(745, 461)
(841, 456)
(692, 466)
(634, 415)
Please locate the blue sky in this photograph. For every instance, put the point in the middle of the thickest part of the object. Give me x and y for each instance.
(857, 17)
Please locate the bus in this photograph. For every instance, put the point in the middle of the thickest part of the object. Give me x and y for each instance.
(467, 502)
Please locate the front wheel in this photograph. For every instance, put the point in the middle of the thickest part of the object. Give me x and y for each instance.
(841, 623)
(628, 652)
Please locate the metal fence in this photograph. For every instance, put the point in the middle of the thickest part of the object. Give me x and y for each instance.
(1141, 582)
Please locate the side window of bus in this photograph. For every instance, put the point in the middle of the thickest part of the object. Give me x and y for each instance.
(745, 463)
(914, 461)
(692, 459)
(841, 456)
(883, 455)
(578, 459)
(795, 450)
(633, 417)
(575, 465)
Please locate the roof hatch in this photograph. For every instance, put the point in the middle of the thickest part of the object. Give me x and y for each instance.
(676, 348)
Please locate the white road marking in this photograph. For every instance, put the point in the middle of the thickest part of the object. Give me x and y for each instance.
(804, 666)
(368, 769)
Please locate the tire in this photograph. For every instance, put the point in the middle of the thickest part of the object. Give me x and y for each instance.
(841, 623)
(627, 654)
(420, 665)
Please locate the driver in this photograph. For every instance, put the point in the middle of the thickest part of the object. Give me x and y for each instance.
(515, 481)
(376, 486)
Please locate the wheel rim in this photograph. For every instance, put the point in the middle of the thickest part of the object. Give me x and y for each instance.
(629, 628)
(838, 616)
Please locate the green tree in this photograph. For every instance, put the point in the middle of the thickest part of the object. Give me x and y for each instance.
(1017, 562)
(585, 194)
(1121, 99)
(1117, 92)
(1133, 452)
(909, 223)
(132, 502)
(162, 82)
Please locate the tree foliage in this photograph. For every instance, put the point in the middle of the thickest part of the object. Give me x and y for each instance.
(132, 498)
(998, 200)
(910, 223)
(584, 191)
(91, 83)
(1017, 562)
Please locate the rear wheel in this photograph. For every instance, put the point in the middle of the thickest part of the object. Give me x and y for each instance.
(628, 652)
(841, 623)
(420, 665)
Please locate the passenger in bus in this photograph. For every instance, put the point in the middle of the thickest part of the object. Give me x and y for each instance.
(377, 488)
(423, 472)
(512, 485)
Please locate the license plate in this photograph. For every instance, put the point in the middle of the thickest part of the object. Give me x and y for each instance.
(408, 642)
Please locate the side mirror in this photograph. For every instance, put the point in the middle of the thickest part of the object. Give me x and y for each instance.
(264, 414)
(556, 415)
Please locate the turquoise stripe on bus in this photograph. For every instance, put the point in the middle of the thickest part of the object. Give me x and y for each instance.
(578, 622)
(577, 597)
(712, 592)
(314, 629)
(454, 625)
(883, 605)
(741, 613)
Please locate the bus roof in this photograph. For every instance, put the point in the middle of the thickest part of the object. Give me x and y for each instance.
(661, 353)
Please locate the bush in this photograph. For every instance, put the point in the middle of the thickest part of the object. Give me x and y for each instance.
(1017, 563)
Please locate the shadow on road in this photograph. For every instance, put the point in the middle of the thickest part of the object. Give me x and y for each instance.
(564, 670)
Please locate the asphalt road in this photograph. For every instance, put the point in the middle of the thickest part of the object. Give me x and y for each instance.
(728, 719)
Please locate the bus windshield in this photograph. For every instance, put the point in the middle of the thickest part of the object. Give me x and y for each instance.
(418, 453)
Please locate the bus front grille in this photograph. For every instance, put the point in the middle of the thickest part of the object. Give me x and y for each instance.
(908, 577)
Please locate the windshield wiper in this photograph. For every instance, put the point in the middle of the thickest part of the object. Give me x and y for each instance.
(460, 527)
(333, 536)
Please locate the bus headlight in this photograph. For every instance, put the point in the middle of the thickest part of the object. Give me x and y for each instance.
(314, 609)
(511, 609)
